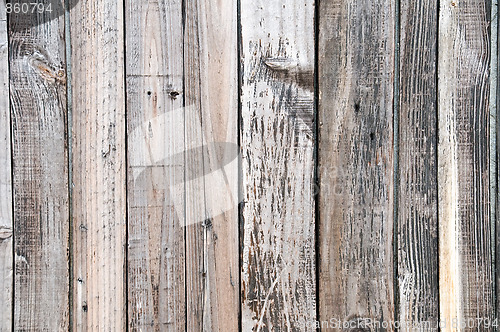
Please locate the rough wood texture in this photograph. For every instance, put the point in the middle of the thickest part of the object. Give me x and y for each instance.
(6, 223)
(99, 212)
(277, 137)
(211, 118)
(154, 45)
(465, 248)
(356, 73)
(417, 189)
(40, 173)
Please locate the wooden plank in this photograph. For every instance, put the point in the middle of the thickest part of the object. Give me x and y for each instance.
(40, 172)
(99, 166)
(465, 249)
(155, 121)
(417, 223)
(6, 223)
(356, 73)
(277, 140)
(211, 117)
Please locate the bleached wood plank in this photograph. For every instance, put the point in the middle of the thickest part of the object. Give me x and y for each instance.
(465, 248)
(40, 172)
(277, 141)
(6, 223)
(356, 76)
(211, 117)
(99, 195)
(417, 223)
(155, 121)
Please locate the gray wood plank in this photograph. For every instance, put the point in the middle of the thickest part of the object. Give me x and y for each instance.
(211, 117)
(417, 223)
(40, 172)
(466, 272)
(99, 166)
(277, 140)
(6, 223)
(155, 121)
(356, 75)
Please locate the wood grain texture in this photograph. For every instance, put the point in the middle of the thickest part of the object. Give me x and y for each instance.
(40, 172)
(356, 75)
(417, 224)
(99, 195)
(6, 222)
(211, 150)
(155, 121)
(277, 140)
(465, 248)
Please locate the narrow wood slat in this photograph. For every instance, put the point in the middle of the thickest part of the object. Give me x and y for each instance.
(466, 275)
(211, 117)
(277, 141)
(155, 121)
(40, 172)
(417, 223)
(356, 75)
(99, 195)
(6, 223)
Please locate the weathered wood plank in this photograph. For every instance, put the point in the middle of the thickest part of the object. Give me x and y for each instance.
(99, 194)
(40, 172)
(155, 121)
(465, 248)
(211, 117)
(417, 223)
(6, 223)
(356, 73)
(277, 139)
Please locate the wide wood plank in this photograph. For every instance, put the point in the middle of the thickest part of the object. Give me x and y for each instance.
(466, 272)
(6, 223)
(40, 172)
(211, 117)
(98, 158)
(356, 75)
(277, 141)
(417, 222)
(155, 121)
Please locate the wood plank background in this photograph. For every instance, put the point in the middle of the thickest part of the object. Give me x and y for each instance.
(219, 165)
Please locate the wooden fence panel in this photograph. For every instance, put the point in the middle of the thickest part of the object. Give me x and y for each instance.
(417, 246)
(6, 223)
(40, 172)
(278, 143)
(465, 248)
(211, 118)
(99, 167)
(356, 77)
(155, 126)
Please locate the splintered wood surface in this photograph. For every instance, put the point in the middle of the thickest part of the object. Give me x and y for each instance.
(251, 165)
(466, 264)
(99, 167)
(40, 173)
(277, 142)
(417, 222)
(155, 120)
(356, 160)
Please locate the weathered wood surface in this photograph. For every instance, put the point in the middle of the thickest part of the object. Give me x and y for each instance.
(356, 76)
(6, 223)
(278, 271)
(98, 160)
(155, 121)
(40, 173)
(211, 128)
(417, 224)
(466, 280)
